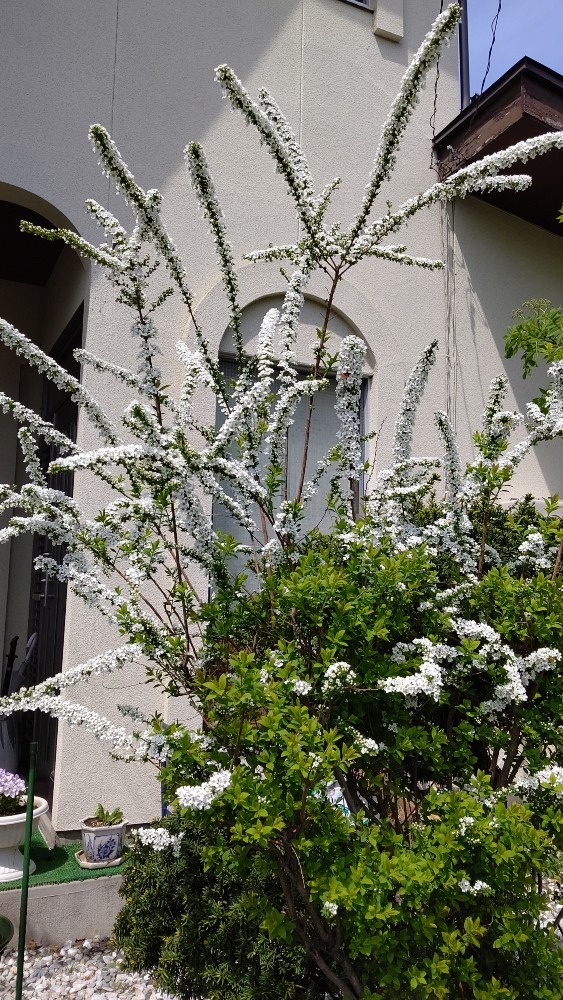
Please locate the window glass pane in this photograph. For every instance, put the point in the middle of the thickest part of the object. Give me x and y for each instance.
(323, 436)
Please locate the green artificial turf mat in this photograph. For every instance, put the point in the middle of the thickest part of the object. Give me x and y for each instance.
(59, 865)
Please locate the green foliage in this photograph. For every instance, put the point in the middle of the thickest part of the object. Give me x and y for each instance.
(387, 821)
(538, 335)
(206, 932)
(9, 805)
(108, 817)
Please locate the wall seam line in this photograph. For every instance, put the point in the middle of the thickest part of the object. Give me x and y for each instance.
(113, 86)
(301, 95)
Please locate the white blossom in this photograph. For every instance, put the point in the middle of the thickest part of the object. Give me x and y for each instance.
(365, 744)
(205, 189)
(465, 826)
(200, 797)
(414, 388)
(273, 130)
(100, 665)
(23, 346)
(534, 554)
(403, 105)
(299, 686)
(337, 676)
(473, 888)
(160, 839)
(347, 406)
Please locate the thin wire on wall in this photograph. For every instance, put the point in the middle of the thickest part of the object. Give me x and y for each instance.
(113, 87)
(447, 223)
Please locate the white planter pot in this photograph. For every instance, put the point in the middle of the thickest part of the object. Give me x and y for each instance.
(102, 843)
(12, 836)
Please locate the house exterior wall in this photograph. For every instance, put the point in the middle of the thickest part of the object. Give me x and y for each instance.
(145, 71)
(499, 262)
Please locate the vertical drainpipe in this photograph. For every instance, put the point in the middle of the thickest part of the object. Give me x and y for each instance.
(464, 57)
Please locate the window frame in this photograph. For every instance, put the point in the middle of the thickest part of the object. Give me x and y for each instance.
(369, 5)
(304, 370)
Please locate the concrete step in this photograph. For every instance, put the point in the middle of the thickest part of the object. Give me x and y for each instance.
(67, 911)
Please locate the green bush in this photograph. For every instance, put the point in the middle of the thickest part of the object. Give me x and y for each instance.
(198, 932)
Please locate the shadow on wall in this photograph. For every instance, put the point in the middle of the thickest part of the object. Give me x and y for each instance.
(501, 261)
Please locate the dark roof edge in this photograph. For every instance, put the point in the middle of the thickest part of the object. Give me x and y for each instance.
(478, 104)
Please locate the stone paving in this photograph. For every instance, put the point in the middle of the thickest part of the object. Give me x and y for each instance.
(82, 970)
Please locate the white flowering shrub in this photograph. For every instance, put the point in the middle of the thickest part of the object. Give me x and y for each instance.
(381, 711)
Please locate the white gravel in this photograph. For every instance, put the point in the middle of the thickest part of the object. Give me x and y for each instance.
(83, 970)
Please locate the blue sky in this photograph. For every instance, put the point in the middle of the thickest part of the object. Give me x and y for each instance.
(525, 28)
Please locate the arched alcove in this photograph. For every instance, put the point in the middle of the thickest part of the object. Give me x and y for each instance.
(43, 286)
(303, 451)
(311, 319)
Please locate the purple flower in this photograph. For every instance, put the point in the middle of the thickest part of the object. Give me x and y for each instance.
(12, 788)
(11, 784)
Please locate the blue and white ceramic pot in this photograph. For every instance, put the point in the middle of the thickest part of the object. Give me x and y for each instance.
(102, 843)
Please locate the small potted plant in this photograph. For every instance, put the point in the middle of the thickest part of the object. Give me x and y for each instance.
(103, 838)
(13, 802)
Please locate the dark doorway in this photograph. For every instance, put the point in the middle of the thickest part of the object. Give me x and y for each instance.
(48, 596)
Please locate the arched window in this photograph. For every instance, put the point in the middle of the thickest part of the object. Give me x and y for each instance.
(324, 422)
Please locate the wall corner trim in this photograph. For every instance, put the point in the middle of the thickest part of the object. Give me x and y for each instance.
(388, 20)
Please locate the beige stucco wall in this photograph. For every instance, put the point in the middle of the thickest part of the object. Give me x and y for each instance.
(499, 262)
(146, 72)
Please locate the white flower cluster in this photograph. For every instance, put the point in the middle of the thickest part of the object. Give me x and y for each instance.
(466, 831)
(541, 661)
(479, 177)
(365, 744)
(403, 106)
(519, 670)
(533, 553)
(329, 909)
(75, 715)
(100, 665)
(284, 410)
(289, 157)
(200, 797)
(349, 369)
(466, 628)
(512, 691)
(286, 524)
(427, 680)
(337, 676)
(414, 388)
(429, 677)
(272, 552)
(205, 189)
(153, 747)
(549, 778)
(47, 366)
(451, 462)
(473, 888)
(298, 686)
(131, 712)
(465, 823)
(160, 839)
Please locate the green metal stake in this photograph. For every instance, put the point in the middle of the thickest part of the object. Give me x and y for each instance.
(25, 874)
